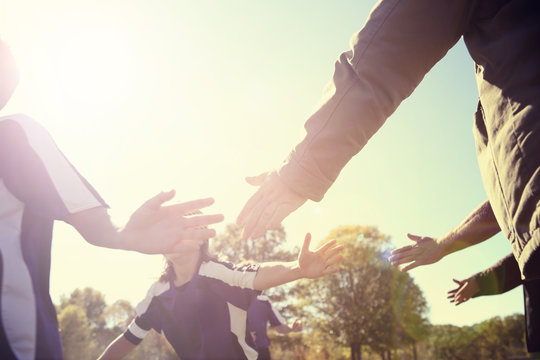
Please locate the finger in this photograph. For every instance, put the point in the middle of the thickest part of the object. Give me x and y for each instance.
(333, 251)
(403, 249)
(411, 266)
(405, 259)
(307, 242)
(257, 180)
(334, 260)
(250, 205)
(329, 271)
(458, 282)
(266, 213)
(197, 234)
(190, 207)
(281, 213)
(326, 246)
(414, 238)
(159, 199)
(202, 220)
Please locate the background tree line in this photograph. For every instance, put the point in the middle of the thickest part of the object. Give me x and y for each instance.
(369, 310)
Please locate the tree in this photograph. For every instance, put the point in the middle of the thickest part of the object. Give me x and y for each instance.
(92, 301)
(368, 304)
(76, 333)
(270, 247)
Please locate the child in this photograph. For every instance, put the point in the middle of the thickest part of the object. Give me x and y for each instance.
(200, 304)
(260, 313)
(38, 185)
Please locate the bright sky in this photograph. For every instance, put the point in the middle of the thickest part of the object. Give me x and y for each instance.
(144, 96)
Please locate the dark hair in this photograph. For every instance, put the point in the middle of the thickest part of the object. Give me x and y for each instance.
(168, 273)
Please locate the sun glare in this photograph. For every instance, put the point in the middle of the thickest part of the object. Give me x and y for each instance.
(92, 66)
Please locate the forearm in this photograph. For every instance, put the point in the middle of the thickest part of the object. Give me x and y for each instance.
(274, 274)
(96, 227)
(503, 276)
(119, 348)
(479, 226)
(283, 329)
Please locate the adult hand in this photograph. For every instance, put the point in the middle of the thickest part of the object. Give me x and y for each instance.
(156, 229)
(424, 251)
(466, 289)
(314, 264)
(270, 204)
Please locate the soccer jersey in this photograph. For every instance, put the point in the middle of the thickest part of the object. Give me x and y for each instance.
(204, 319)
(37, 186)
(260, 313)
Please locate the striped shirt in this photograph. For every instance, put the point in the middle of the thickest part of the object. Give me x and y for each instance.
(260, 314)
(37, 186)
(204, 319)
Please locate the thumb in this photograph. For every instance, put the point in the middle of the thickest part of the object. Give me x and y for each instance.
(160, 198)
(307, 242)
(414, 238)
(257, 180)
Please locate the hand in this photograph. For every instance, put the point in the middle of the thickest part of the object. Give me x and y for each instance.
(425, 251)
(158, 229)
(270, 204)
(466, 289)
(314, 264)
(297, 325)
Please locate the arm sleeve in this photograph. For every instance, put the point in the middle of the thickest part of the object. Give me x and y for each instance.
(147, 315)
(36, 172)
(233, 283)
(400, 42)
(274, 317)
(500, 278)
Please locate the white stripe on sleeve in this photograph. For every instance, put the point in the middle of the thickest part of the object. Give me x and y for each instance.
(243, 279)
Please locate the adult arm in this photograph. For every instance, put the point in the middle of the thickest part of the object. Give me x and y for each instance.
(503, 276)
(119, 348)
(310, 264)
(478, 226)
(399, 43)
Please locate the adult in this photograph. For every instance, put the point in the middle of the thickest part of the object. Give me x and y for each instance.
(399, 43)
(503, 276)
(38, 186)
(260, 314)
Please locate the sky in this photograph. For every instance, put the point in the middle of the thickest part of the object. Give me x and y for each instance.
(144, 96)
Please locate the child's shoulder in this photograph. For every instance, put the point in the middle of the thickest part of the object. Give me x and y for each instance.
(157, 288)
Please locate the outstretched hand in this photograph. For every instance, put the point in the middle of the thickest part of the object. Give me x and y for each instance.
(466, 289)
(424, 251)
(155, 228)
(272, 202)
(314, 264)
(297, 325)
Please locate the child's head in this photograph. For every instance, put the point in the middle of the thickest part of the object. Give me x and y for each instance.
(202, 253)
(9, 75)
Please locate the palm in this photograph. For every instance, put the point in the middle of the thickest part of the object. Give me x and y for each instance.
(424, 251)
(314, 264)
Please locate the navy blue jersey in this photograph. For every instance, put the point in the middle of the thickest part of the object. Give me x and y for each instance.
(37, 186)
(204, 319)
(260, 314)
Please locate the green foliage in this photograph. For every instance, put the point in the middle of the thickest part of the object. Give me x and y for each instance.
(77, 335)
(368, 303)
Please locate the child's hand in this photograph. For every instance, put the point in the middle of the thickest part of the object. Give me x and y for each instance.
(465, 290)
(297, 325)
(314, 264)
